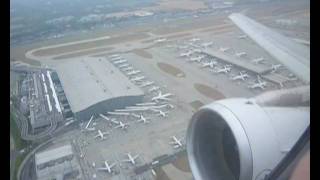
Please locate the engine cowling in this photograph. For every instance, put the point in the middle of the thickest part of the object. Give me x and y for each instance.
(238, 139)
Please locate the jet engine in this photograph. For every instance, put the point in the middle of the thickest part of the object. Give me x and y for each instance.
(244, 139)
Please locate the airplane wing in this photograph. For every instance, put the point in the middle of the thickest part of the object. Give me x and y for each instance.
(102, 169)
(113, 164)
(97, 136)
(294, 56)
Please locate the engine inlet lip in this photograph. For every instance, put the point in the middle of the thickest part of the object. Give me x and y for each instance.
(238, 132)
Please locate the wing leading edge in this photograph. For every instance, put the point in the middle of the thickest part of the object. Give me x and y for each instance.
(294, 56)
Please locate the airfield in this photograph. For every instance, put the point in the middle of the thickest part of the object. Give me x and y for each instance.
(156, 52)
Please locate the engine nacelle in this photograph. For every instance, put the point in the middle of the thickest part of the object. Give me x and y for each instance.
(238, 139)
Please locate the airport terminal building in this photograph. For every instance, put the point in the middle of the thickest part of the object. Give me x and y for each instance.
(94, 85)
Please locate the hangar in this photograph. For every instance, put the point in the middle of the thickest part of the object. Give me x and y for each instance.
(94, 85)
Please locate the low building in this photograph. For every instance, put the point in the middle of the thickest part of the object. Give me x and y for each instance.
(56, 163)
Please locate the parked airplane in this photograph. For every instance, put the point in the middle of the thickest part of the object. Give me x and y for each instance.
(258, 60)
(107, 167)
(176, 142)
(112, 120)
(131, 159)
(225, 70)
(147, 83)
(240, 54)
(87, 126)
(241, 76)
(198, 59)
(186, 54)
(223, 49)
(104, 117)
(138, 78)
(122, 125)
(160, 40)
(143, 119)
(128, 68)
(275, 67)
(119, 113)
(146, 104)
(260, 84)
(124, 65)
(161, 96)
(207, 44)
(161, 113)
(242, 36)
(154, 88)
(101, 134)
(134, 72)
(194, 39)
(210, 64)
(120, 61)
(114, 56)
(117, 59)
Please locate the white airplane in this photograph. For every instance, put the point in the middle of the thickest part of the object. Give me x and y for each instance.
(101, 134)
(120, 61)
(160, 40)
(134, 72)
(138, 78)
(113, 120)
(116, 59)
(107, 167)
(186, 54)
(275, 67)
(242, 36)
(114, 56)
(260, 84)
(104, 117)
(127, 68)
(146, 104)
(223, 49)
(87, 126)
(143, 119)
(258, 60)
(240, 54)
(145, 84)
(207, 44)
(225, 70)
(194, 39)
(176, 142)
(154, 88)
(198, 59)
(146, 107)
(161, 113)
(119, 112)
(131, 159)
(109, 119)
(124, 65)
(210, 64)
(122, 125)
(241, 76)
(161, 96)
